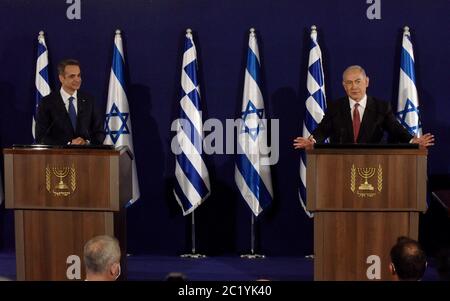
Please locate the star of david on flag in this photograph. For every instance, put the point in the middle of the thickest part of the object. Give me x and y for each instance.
(408, 100)
(118, 118)
(252, 172)
(250, 125)
(123, 119)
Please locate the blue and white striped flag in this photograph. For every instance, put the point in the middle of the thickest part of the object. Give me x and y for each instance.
(315, 106)
(252, 172)
(41, 79)
(192, 186)
(118, 118)
(408, 101)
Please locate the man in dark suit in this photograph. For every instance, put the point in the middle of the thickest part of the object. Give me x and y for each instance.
(69, 116)
(359, 118)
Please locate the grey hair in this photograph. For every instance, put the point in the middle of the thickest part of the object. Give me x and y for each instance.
(100, 252)
(353, 67)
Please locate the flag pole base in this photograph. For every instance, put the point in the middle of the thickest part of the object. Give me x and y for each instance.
(253, 256)
(193, 255)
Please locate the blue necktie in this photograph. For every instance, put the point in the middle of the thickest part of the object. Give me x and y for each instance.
(72, 113)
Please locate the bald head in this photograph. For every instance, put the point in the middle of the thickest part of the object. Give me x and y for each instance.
(100, 253)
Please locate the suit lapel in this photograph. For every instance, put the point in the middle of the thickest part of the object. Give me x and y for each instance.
(81, 108)
(367, 120)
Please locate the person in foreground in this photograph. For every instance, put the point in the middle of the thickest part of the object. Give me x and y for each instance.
(359, 118)
(68, 116)
(408, 260)
(102, 258)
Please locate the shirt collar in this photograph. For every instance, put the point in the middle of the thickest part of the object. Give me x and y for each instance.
(362, 102)
(65, 95)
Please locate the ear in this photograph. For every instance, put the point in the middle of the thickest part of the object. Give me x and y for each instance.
(392, 268)
(115, 270)
(367, 81)
(61, 78)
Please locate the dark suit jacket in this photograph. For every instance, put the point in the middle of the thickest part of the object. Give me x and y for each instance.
(378, 118)
(53, 124)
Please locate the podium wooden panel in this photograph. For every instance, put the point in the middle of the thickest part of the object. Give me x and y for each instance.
(363, 200)
(62, 198)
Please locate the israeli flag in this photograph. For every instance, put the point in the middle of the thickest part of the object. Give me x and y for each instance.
(41, 78)
(192, 185)
(315, 106)
(408, 101)
(118, 118)
(252, 172)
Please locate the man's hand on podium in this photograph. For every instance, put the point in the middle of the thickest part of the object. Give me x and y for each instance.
(425, 140)
(78, 141)
(302, 142)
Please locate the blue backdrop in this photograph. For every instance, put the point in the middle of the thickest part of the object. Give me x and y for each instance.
(153, 35)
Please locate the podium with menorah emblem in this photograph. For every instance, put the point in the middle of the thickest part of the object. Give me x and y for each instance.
(62, 197)
(363, 198)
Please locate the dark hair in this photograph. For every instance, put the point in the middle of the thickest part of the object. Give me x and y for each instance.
(408, 258)
(67, 62)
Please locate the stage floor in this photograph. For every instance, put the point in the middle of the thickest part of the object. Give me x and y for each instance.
(155, 268)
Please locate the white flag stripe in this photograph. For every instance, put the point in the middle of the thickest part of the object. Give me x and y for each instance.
(247, 194)
(312, 85)
(314, 109)
(189, 56)
(191, 152)
(306, 133)
(189, 191)
(191, 112)
(315, 54)
(186, 83)
(251, 90)
(303, 172)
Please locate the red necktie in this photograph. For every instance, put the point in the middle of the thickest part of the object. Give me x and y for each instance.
(356, 122)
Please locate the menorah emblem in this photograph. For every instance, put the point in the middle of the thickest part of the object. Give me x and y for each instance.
(61, 188)
(366, 189)
(61, 172)
(366, 173)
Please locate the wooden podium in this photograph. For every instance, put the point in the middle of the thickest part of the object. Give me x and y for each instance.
(363, 200)
(61, 198)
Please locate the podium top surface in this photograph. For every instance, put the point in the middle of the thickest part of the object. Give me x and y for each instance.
(64, 149)
(353, 149)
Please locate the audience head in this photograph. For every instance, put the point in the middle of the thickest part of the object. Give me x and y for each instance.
(176, 277)
(408, 260)
(102, 258)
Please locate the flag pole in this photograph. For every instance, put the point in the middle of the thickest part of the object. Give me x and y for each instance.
(252, 254)
(193, 253)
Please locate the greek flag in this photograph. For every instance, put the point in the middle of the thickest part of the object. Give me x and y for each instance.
(408, 102)
(41, 79)
(315, 106)
(252, 172)
(118, 118)
(192, 186)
